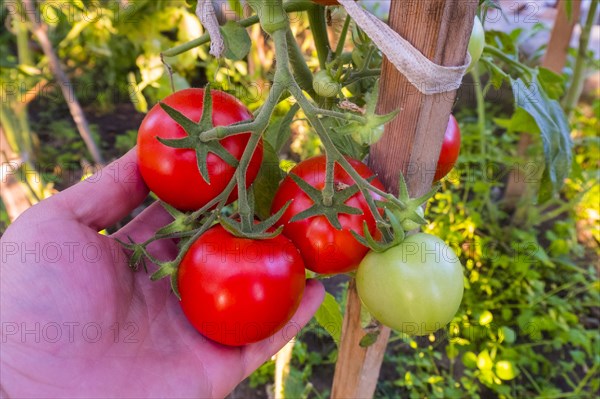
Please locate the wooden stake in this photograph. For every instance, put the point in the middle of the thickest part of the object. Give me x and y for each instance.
(440, 29)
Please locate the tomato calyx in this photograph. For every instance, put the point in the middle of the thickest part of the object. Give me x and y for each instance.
(194, 140)
(330, 211)
(262, 230)
(401, 215)
(370, 130)
(140, 254)
(182, 222)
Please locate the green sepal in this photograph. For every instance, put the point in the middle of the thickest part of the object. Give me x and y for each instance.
(318, 208)
(193, 131)
(397, 233)
(166, 269)
(186, 123)
(138, 256)
(369, 132)
(181, 223)
(175, 285)
(205, 122)
(258, 231)
(235, 228)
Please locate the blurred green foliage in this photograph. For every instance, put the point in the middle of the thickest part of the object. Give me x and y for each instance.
(528, 325)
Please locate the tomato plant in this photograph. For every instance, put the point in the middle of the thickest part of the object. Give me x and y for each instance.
(415, 287)
(237, 290)
(450, 149)
(173, 173)
(325, 249)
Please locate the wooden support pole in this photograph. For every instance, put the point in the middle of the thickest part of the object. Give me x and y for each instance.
(440, 29)
(554, 60)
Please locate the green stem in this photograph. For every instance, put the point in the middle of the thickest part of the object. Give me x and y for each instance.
(356, 76)
(244, 208)
(301, 71)
(572, 97)
(328, 190)
(333, 154)
(480, 112)
(289, 6)
(271, 14)
(207, 225)
(342, 41)
(341, 115)
(318, 26)
(497, 53)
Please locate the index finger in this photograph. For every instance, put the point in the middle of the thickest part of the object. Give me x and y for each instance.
(106, 197)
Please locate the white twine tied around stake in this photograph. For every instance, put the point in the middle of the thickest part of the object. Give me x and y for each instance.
(205, 12)
(424, 74)
(427, 76)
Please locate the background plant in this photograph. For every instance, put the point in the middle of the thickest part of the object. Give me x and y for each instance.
(528, 325)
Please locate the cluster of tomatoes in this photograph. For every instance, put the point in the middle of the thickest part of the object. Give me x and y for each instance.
(237, 290)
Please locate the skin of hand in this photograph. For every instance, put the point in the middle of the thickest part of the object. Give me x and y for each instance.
(77, 322)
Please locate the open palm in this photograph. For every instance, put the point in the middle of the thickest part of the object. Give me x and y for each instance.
(76, 322)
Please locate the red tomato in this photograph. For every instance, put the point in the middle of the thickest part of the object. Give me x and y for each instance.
(450, 149)
(327, 2)
(236, 290)
(325, 249)
(171, 173)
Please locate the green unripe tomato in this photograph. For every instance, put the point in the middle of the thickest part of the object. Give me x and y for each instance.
(325, 86)
(415, 287)
(476, 43)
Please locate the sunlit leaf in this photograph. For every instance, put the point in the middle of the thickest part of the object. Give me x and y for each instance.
(329, 316)
(267, 181)
(505, 370)
(237, 41)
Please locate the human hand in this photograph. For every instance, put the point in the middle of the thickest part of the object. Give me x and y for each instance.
(77, 322)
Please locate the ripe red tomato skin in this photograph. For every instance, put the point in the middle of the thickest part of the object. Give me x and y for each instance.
(172, 174)
(236, 291)
(324, 249)
(450, 150)
(327, 2)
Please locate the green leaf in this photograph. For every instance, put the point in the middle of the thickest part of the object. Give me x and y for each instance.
(486, 318)
(278, 133)
(267, 181)
(552, 83)
(164, 85)
(469, 359)
(237, 41)
(137, 98)
(329, 316)
(484, 361)
(554, 128)
(507, 334)
(519, 122)
(369, 339)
